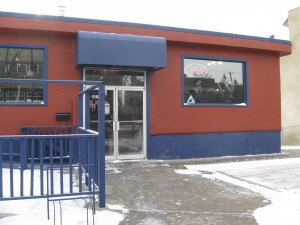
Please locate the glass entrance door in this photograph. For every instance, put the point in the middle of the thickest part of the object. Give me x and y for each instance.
(129, 122)
(124, 123)
(125, 114)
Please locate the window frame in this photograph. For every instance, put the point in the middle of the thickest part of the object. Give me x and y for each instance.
(45, 74)
(235, 60)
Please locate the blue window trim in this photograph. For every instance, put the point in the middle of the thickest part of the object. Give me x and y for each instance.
(45, 74)
(245, 78)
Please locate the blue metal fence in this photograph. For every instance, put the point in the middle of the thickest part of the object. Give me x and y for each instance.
(47, 130)
(50, 130)
(26, 157)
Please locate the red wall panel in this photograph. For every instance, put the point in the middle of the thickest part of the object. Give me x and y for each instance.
(61, 66)
(168, 116)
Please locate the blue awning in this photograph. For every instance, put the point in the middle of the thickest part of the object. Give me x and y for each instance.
(123, 50)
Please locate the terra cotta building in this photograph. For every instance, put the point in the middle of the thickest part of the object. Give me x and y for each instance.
(171, 93)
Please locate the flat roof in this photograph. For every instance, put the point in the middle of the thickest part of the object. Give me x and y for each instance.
(69, 25)
(139, 25)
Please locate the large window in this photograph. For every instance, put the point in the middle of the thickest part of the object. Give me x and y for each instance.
(22, 63)
(212, 81)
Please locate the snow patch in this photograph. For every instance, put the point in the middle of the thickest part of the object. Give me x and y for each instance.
(187, 172)
(34, 211)
(277, 180)
(113, 170)
(117, 207)
(165, 164)
(106, 217)
(152, 221)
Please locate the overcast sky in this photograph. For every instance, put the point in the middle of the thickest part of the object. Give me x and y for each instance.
(256, 17)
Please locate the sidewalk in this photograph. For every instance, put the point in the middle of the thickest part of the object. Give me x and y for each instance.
(153, 193)
(248, 190)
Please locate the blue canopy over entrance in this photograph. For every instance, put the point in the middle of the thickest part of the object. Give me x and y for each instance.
(122, 50)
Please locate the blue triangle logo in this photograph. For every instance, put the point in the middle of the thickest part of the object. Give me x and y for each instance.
(191, 100)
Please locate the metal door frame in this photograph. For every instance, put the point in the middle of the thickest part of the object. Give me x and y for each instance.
(116, 156)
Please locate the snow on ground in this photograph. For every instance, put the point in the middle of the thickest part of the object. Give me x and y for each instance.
(277, 180)
(34, 211)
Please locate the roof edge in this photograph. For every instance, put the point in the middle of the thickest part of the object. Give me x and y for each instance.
(139, 25)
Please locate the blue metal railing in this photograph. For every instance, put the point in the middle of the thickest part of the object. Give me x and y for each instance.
(47, 130)
(22, 170)
(87, 194)
(50, 130)
(38, 148)
(84, 96)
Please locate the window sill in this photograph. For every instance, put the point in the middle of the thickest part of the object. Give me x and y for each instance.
(215, 105)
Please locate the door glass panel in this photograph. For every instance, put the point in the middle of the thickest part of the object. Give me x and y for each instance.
(130, 117)
(109, 123)
(116, 77)
(109, 116)
(94, 110)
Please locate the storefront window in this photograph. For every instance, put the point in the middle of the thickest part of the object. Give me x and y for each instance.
(21, 63)
(213, 82)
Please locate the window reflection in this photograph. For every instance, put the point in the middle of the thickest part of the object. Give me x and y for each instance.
(21, 63)
(213, 81)
(116, 77)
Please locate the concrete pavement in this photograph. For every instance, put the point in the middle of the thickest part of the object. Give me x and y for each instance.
(154, 194)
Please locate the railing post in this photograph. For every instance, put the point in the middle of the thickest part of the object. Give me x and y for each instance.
(1, 175)
(101, 144)
(87, 110)
(11, 167)
(79, 110)
(23, 146)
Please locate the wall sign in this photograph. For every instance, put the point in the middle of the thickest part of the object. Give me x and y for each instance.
(195, 70)
(191, 100)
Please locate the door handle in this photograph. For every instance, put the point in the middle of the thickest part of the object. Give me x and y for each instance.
(116, 126)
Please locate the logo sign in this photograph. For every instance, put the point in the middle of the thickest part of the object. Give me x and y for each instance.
(191, 100)
(195, 70)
